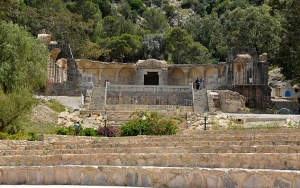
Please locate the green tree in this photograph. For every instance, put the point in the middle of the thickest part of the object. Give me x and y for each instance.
(184, 50)
(86, 8)
(104, 6)
(221, 6)
(201, 7)
(11, 10)
(23, 65)
(111, 27)
(127, 26)
(154, 21)
(90, 50)
(125, 9)
(288, 55)
(136, 4)
(153, 46)
(208, 30)
(124, 46)
(252, 27)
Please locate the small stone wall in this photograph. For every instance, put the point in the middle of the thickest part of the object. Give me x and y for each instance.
(148, 95)
(293, 105)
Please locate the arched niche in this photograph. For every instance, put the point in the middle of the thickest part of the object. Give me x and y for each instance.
(211, 77)
(211, 72)
(62, 47)
(194, 73)
(108, 74)
(176, 77)
(93, 69)
(54, 53)
(127, 75)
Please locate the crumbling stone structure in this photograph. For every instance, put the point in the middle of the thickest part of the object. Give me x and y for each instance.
(244, 72)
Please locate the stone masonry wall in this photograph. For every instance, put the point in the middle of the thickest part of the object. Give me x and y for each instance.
(148, 176)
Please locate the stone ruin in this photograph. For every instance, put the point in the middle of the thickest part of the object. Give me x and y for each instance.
(110, 83)
(152, 83)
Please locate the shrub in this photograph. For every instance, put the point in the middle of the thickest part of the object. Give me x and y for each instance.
(234, 126)
(272, 125)
(150, 124)
(215, 123)
(89, 132)
(3, 135)
(112, 131)
(32, 136)
(136, 4)
(295, 125)
(62, 131)
(17, 136)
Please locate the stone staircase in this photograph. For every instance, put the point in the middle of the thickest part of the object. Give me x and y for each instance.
(247, 158)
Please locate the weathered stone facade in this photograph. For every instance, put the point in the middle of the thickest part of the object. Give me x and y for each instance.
(244, 72)
(225, 101)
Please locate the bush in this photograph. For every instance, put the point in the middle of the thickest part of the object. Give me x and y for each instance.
(295, 125)
(17, 136)
(32, 136)
(112, 131)
(89, 132)
(235, 126)
(150, 124)
(62, 131)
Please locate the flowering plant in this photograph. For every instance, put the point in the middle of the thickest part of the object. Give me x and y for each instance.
(145, 123)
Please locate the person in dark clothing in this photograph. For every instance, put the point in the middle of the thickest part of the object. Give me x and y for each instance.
(197, 84)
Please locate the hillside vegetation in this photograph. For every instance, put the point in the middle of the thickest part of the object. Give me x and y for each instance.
(179, 31)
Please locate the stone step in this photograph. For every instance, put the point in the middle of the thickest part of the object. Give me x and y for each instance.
(149, 176)
(179, 149)
(256, 143)
(126, 144)
(141, 138)
(282, 161)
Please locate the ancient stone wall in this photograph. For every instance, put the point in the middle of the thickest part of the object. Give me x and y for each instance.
(138, 176)
(225, 101)
(257, 96)
(148, 95)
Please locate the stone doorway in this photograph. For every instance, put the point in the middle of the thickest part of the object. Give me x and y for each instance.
(151, 78)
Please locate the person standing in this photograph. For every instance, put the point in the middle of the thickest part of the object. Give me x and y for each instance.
(197, 83)
(201, 83)
(77, 128)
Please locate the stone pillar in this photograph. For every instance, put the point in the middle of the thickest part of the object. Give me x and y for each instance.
(116, 72)
(186, 76)
(99, 77)
(163, 76)
(139, 77)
